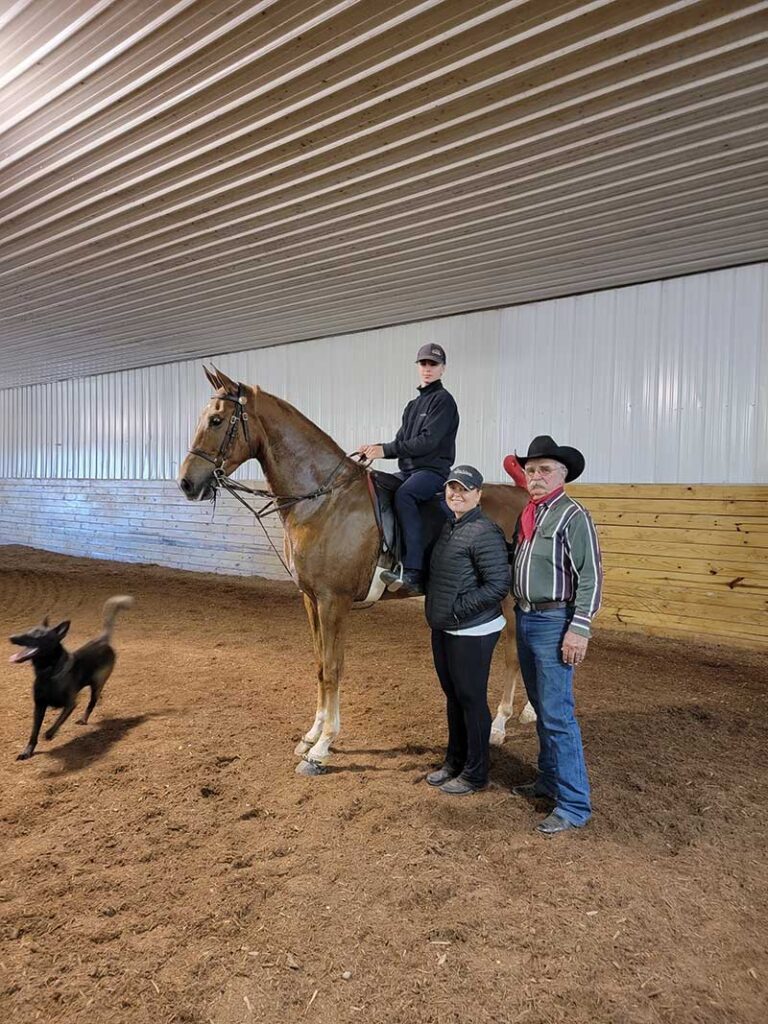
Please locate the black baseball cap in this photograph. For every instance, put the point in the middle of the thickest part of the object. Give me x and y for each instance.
(434, 353)
(471, 479)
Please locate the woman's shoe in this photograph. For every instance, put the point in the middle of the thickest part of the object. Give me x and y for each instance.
(440, 776)
(459, 787)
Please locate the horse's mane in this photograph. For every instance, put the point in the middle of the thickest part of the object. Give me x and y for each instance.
(317, 433)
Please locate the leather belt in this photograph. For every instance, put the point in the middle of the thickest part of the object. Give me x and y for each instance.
(540, 606)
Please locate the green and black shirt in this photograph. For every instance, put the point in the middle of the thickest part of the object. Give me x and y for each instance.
(561, 562)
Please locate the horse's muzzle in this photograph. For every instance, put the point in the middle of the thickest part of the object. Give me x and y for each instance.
(196, 490)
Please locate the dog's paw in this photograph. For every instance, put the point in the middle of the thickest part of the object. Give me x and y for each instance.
(24, 755)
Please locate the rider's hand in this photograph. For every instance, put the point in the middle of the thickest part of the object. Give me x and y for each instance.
(371, 451)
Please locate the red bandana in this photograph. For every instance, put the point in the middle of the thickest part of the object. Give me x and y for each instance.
(528, 518)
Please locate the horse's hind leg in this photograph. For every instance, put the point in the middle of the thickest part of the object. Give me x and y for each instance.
(511, 675)
(332, 612)
(310, 738)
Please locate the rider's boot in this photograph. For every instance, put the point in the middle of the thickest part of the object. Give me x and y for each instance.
(410, 583)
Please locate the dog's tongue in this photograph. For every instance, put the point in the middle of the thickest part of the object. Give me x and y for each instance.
(23, 655)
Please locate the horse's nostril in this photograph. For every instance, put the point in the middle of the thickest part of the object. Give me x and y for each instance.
(185, 485)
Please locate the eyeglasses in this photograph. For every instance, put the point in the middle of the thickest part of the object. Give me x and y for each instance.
(531, 471)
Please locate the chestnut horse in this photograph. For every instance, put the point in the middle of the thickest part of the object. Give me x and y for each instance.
(332, 539)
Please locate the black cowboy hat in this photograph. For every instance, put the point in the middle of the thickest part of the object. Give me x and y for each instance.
(543, 447)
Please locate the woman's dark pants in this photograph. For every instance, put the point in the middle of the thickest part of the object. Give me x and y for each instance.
(462, 664)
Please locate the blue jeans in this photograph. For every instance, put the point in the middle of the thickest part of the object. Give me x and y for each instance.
(420, 486)
(549, 683)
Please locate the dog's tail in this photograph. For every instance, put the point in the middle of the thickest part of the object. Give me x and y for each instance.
(111, 608)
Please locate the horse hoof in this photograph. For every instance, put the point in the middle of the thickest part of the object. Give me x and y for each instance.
(301, 748)
(497, 737)
(527, 714)
(310, 768)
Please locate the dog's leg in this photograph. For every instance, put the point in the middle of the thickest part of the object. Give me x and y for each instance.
(50, 733)
(95, 694)
(37, 721)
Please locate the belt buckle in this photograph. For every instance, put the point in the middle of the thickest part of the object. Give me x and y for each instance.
(524, 606)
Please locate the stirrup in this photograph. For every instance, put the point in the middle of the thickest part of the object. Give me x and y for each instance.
(397, 571)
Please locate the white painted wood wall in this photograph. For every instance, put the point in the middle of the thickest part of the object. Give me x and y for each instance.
(137, 521)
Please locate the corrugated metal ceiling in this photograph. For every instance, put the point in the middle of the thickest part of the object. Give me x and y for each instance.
(194, 177)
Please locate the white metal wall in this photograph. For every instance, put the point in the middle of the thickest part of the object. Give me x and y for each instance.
(660, 382)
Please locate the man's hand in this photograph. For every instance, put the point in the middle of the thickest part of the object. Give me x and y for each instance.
(574, 648)
(371, 451)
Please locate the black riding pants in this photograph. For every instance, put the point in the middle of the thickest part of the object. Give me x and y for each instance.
(420, 486)
(462, 664)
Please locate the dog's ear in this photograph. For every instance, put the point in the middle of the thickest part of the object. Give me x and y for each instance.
(62, 629)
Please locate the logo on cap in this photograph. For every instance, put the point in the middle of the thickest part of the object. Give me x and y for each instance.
(467, 476)
(432, 352)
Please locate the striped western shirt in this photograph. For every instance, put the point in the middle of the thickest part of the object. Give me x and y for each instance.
(561, 562)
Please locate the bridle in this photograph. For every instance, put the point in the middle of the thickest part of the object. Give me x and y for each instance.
(238, 417)
(275, 502)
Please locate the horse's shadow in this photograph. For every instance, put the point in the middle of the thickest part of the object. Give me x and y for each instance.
(413, 751)
(88, 747)
(507, 769)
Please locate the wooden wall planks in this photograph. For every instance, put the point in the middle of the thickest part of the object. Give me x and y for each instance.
(684, 560)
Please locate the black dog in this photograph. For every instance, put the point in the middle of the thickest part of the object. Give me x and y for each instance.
(59, 676)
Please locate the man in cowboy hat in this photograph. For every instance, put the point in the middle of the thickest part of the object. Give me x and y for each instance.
(425, 447)
(556, 582)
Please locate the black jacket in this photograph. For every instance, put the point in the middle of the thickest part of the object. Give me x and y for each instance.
(427, 436)
(468, 573)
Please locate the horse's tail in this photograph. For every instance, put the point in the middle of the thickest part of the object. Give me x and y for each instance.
(111, 608)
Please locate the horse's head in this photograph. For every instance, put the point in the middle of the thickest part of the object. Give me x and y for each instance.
(225, 437)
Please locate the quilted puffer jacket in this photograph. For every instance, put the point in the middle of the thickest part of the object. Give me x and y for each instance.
(468, 573)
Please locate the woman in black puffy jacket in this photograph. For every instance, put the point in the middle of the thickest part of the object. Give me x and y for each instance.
(468, 579)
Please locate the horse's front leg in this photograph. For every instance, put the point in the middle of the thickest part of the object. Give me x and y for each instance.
(310, 738)
(332, 612)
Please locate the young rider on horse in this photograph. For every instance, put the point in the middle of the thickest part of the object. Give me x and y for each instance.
(425, 447)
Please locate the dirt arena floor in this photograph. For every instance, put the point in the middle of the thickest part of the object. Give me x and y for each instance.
(165, 864)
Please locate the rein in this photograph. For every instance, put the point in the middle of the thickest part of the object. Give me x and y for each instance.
(276, 502)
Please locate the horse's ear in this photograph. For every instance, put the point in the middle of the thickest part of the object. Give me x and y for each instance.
(211, 379)
(226, 382)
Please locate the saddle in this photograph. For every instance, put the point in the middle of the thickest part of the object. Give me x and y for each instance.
(383, 487)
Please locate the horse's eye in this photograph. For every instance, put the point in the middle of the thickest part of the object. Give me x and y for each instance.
(215, 421)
